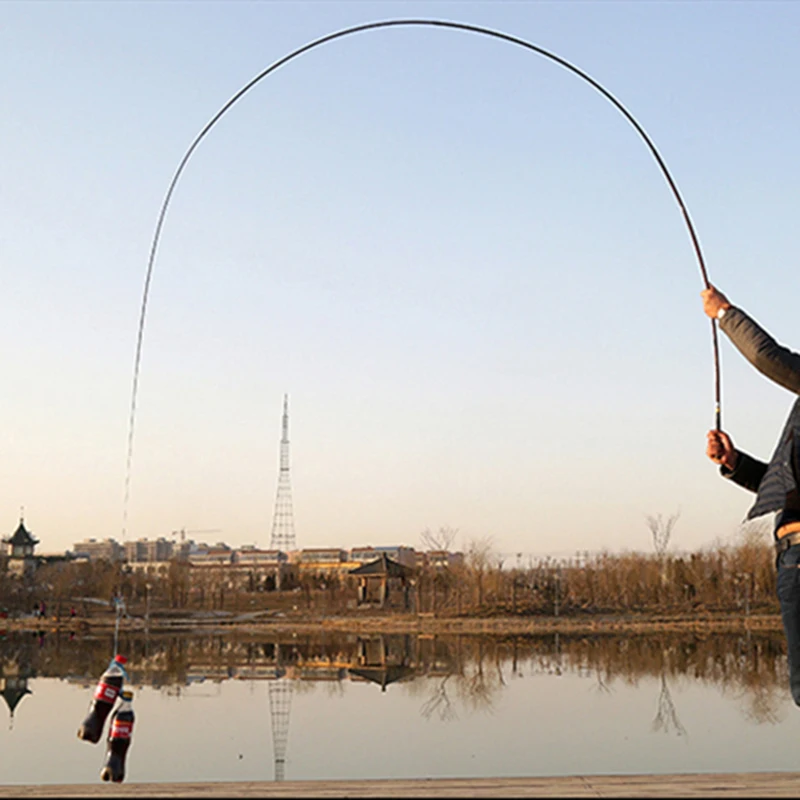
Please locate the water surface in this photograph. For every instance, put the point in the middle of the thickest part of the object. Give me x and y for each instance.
(221, 708)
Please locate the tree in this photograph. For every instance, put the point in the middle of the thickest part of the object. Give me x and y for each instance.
(661, 530)
(442, 539)
(479, 560)
(178, 583)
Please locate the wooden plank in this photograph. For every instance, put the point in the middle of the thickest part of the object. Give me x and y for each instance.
(754, 784)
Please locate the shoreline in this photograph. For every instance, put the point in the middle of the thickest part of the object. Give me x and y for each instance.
(266, 622)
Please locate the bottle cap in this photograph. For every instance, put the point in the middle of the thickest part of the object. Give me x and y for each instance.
(126, 694)
(120, 659)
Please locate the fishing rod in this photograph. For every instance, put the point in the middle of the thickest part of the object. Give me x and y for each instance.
(404, 23)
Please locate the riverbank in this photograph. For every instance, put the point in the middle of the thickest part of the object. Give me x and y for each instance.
(425, 624)
(755, 784)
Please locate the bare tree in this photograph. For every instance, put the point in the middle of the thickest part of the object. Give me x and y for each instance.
(442, 539)
(661, 530)
(479, 560)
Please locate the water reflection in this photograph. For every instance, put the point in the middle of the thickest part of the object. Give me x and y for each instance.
(446, 676)
(383, 660)
(666, 719)
(15, 672)
(280, 707)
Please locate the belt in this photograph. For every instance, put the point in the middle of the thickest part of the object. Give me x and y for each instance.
(789, 527)
(786, 541)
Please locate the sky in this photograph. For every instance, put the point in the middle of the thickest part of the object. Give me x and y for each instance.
(458, 259)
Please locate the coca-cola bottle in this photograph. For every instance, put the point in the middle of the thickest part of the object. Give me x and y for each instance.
(105, 695)
(120, 731)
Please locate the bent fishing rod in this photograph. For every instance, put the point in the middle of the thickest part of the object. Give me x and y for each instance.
(404, 23)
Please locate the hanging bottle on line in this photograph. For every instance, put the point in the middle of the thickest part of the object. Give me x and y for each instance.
(105, 695)
(120, 731)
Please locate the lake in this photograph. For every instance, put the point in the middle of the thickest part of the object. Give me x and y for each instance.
(260, 707)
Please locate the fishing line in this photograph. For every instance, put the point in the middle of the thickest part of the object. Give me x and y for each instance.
(398, 23)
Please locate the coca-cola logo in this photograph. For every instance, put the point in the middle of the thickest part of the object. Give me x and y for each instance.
(106, 692)
(121, 730)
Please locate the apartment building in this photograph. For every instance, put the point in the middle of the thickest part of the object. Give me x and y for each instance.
(324, 559)
(93, 550)
(146, 551)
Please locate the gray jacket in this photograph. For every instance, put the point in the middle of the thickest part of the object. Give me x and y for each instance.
(773, 481)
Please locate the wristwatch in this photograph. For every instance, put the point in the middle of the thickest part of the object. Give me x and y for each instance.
(721, 313)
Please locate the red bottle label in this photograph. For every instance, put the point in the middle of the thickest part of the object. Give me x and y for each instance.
(106, 693)
(121, 729)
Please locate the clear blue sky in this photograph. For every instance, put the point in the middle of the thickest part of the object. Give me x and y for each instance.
(458, 259)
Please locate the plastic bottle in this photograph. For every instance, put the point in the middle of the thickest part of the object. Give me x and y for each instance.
(105, 695)
(119, 739)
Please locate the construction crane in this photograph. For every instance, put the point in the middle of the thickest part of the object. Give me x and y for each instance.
(182, 532)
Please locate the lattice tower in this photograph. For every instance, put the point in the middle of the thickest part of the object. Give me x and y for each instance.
(280, 706)
(283, 518)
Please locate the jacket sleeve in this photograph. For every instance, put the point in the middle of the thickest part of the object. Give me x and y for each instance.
(777, 362)
(749, 471)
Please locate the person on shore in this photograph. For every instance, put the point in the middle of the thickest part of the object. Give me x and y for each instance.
(776, 483)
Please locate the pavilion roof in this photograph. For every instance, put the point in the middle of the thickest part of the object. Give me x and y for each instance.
(22, 536)
(383, 566)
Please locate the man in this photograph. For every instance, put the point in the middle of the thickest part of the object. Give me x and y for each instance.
(777, 483)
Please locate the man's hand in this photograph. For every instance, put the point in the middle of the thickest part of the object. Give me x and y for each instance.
(720, 449)
(713, 301)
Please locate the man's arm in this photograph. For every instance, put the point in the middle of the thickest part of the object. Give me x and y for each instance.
(771, 359)
(775, 361)
(748, 472)
(734, 464)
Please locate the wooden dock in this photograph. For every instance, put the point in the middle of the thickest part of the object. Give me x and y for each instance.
(752, 784)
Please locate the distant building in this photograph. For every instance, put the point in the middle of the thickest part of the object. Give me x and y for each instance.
(19, 549)
(324, 559)
(144, 550)
(440, 559)
(262, 569)
(246, 569)
(399, 553)
(323, 555)
(158, 569)
(159, 550)
(384, 582)
(218, 554)
(181, 551)
(135, 552)
(251, 556)
(92, 550)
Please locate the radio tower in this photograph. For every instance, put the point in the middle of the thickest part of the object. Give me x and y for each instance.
(283, 519)
(280, 690)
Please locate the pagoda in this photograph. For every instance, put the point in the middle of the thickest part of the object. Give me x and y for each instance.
(19, 551)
